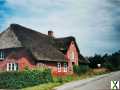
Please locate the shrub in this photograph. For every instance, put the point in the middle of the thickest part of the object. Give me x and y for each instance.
(68, 78)
(26, 78)
(80, 69)
(60, 79)
(108, 65)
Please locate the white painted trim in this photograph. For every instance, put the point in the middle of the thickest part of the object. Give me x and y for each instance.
(65, 67)
(7, 66)
(59, 67)
(12, 66)
(2, 55)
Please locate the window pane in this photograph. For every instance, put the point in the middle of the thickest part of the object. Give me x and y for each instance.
(12, 66)
(59, 67)
(65, 67)
(16, 66)
(0, 54)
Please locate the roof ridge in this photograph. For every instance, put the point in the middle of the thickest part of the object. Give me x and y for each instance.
(13, 26)
(65, 37)
(39, 44)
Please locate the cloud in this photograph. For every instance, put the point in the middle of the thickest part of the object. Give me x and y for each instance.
(5, 12)
(88, 20)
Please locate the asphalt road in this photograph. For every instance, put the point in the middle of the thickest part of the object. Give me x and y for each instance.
(102, 82)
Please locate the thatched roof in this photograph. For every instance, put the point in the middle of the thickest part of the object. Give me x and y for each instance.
(40, 45)
(63, 45)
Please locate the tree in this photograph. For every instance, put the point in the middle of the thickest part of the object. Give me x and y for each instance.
(111, 62)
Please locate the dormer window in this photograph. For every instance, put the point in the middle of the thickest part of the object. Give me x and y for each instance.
(2, 55)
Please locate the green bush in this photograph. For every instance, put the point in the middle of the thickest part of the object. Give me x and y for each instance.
(26, 78)
(80, 69)
(68, 78)
(108, 65)
(60, 79)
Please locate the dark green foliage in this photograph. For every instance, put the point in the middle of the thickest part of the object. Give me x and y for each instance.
(108, 65)
(26, 78)
(80, 69)
(97, 59)
(112, 62)
(68, 78)
(59, 79)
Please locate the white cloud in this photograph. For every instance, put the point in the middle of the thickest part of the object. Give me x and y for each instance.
(87, 20)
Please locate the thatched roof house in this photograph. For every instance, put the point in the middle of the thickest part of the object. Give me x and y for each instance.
(42, 47)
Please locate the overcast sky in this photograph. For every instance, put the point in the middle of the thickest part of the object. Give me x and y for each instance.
(94, 23)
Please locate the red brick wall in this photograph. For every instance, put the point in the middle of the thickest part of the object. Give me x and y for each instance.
(21, 57)
(55, 70)
(72, 48)
(53, 67)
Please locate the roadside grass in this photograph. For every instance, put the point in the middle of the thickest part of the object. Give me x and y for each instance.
(47, 86)
(93, 72)
(57, 81)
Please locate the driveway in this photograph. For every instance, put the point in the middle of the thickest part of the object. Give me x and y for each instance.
(102, 82)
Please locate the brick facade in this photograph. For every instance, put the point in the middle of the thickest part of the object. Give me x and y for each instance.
(72, 49)
(23, 59)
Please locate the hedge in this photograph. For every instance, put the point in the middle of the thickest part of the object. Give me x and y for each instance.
(80, 69)
(26, 78)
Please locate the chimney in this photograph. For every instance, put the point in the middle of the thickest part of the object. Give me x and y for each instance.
(50, 33)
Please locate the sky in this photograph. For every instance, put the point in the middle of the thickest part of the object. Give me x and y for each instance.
(94, 23)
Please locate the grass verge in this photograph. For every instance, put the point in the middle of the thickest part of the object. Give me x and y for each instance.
(59, 81)
(47, 86)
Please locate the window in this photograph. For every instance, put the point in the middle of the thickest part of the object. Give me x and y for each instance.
(2, 56)
(12, 66)
(65, 67)
(59, 67)
(72, 56)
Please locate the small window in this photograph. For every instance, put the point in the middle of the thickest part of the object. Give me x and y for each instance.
(59, 67)
(65, 67)
(72, 56)
(2, 55)
(9, 66)
(12, 66)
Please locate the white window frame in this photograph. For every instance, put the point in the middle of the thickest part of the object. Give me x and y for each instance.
(65, 67)
(2, 55)
(12, 66)
(59, 67)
